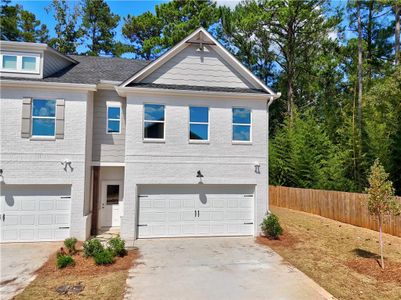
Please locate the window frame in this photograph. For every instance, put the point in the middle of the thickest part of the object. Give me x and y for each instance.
(19, 56)
(192, 141)
(41, 117)
(114, 105)
(153, 140)
(241, 124)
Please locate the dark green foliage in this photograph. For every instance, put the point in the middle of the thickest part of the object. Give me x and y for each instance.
(98, 27)
(117, 246)
(271, 226)
(70, 244)
(64, 261)
(92, 247)
(104, 257)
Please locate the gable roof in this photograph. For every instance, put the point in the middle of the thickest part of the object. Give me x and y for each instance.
(198, 36)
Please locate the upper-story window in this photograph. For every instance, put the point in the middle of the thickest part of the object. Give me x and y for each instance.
(198, 123)
(19, 62)
(242, 124)
(43, 117)
(113, 118)
(153, 122)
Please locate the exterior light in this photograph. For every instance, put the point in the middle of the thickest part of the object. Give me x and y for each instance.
(257, 167)
(1, 176)
(199, 174)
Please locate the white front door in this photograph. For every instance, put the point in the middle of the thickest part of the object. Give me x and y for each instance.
(196, 211)
(111, 206)
(31, 213)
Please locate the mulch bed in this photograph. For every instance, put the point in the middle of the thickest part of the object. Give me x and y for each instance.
(286, 240)
(371, 267)
(87, 266)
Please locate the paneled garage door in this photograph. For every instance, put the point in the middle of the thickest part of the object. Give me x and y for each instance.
(35, 213)
(174, 211)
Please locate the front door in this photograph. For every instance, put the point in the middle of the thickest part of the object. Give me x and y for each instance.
(111, 206)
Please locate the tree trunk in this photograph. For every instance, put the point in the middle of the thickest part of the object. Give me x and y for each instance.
(397, 10)
(381, 242)
(290, 100)
(359, 67)
(369, 41)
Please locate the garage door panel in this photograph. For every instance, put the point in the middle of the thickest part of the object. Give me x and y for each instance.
(207, 211)
(35, 213)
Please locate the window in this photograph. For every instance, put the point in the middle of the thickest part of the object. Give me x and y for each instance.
(198, 123)
(114, 118)
(43, 117)
(153, 121)
(113, 194)
(241, 124)
(20, 62)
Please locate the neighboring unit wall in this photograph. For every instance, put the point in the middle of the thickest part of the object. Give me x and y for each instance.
(107, 147)
(27, 161)
(53, 63)
(176, 160)
(200, 68)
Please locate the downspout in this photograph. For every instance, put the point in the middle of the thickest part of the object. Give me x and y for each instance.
(269, 102)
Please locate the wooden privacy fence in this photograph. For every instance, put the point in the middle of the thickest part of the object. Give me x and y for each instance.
(345, 207)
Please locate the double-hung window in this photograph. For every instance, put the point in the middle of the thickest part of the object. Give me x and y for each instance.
(43, 117)
(242, 125)
(113, 118)
(154, 119)
(198, 123)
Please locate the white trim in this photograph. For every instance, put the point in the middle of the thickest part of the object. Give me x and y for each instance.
(154, 140)
(48, 84)
(239, 142)
(107, 164)
(113, 104)
(44, 137)
(156, 63)
(18, 65)
(194, 141)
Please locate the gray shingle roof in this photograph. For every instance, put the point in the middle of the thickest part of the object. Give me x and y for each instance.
(93, 69)
(198, 88)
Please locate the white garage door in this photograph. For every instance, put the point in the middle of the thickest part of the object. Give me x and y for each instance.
(35, 213)
(174, 211)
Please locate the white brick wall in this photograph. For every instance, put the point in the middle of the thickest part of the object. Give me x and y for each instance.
(26, 161)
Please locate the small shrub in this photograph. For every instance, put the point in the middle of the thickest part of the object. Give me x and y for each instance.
(70, 245)
(61, 252)
(64, 261)
(117, 246)
(104, 257)
(92, 247)
(271, 226)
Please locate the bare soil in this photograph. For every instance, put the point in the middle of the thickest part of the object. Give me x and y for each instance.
(342, 258)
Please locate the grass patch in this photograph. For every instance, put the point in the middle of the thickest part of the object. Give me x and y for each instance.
(342, 258)
(94, 282)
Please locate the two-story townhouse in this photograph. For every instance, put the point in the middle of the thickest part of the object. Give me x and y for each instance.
(169, 148)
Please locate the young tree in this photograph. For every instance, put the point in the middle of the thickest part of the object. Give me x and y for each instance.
(381, 201)
(98, 26)
(67, 28)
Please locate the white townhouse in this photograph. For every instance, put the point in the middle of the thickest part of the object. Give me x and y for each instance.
(169, 148)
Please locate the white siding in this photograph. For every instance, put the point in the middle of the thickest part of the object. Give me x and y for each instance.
(26, 161)
(53, 63)
(107, 147)
(199, 68)
(176, 161)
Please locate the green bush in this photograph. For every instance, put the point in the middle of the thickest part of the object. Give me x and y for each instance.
(64, 261)
(104, 257)
(70, 245)
(271, 226)
(92, 247)
(117, 246)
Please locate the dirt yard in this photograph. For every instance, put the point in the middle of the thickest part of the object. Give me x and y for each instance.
(85, 280)
(342, 258)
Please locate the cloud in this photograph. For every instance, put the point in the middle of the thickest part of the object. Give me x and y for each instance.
(229, 3)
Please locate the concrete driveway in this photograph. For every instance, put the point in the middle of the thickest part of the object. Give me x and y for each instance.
(18, 264)
(216, 268)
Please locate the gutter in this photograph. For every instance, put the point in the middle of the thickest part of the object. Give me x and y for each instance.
(269, 102)
(47, 84)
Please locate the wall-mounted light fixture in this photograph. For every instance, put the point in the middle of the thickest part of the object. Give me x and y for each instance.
(257, 167)
(1, 176)
(199, 175)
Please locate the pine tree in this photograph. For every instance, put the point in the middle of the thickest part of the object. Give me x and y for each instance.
(98, 26)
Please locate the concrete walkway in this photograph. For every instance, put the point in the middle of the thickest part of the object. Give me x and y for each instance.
(19, 261)
(216, 268)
